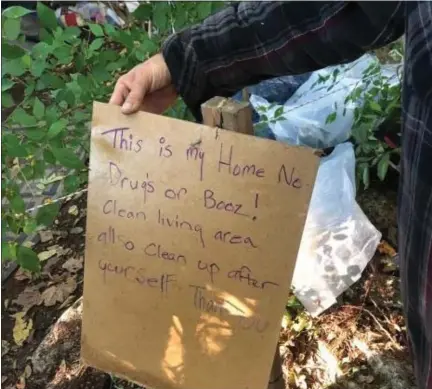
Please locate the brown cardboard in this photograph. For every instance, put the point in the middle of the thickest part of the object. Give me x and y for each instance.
(167, 299)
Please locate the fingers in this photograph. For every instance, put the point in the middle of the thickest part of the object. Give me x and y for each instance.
(120, 92)
(135, 97)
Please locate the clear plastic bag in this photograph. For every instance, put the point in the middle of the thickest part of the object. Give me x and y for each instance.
(338, 239)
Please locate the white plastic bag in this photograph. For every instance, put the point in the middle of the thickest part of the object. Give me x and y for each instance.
(338, 240)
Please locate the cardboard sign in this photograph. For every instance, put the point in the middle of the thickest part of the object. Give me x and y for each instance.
(192, 236)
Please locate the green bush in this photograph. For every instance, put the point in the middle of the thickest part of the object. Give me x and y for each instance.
(47, 95)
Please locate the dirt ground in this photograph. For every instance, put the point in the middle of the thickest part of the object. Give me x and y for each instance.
(358, 343)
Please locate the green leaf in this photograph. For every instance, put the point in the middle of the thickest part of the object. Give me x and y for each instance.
(46, 36)
(11, 28)
(71, 33)
(48, 156)
(204, 9)
(29, 89)
(375, 106)
(6, 84)
(10, 51)
(143, 12)
(27, 258)
(22, 117)
(67, 96)
(96, 29)
(46, 16)
(71, 183)
(41, 50)
(161, 12)
(6, 100)
(63, 53)
(15, 12)
(125, 39)
(8, 250)
(17, 204)
(35, 134)
(52, 81)
(383, 165)
(56, 128)
(39, 169)
(147, 48)
(37, 67)
(14, 148)
(14, 67)
(111, 30)
(38, 109)
(47, 214)
(30, 226)
(331, 118)
(96, 44)
(67, 158)
(279, 112)
(366, 176)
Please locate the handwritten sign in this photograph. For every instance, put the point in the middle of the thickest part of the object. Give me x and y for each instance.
(192, 236)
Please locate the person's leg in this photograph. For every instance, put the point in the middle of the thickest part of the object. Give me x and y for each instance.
(415, 242)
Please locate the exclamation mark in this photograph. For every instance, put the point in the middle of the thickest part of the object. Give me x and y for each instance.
(256, 204)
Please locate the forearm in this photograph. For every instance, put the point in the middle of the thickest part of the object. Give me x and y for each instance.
(251, 41)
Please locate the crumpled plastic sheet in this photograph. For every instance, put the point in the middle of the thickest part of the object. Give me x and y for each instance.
(275, 90)
(87, 12)
(338, 239)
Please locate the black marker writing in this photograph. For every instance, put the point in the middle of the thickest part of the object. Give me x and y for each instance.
(291, 179)
(123, 142)
(212, 269)
(226, 164)
(195, 153)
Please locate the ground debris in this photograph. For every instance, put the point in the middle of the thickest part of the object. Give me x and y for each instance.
(58, 293)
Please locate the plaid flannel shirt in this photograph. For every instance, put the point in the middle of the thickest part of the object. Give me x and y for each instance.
(251, 41)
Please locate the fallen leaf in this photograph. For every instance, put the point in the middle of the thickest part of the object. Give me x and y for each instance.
(58, 293)
(46, 236)
(67, 302)
(28, 243)
(73, 210)
(389, 265)
(22, 329)
(50, 263)
(28, 298)
(6, 303)
(385, 248)
(73, 264)
(5, 347)
(22, 275)
(27, 371)
(44, 255)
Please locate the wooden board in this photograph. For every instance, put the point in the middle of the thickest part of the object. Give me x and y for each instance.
(192, 236)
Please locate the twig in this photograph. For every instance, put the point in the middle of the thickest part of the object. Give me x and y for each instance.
(59, 199)
(396, 344)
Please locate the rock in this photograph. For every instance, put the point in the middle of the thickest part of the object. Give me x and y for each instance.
(44, 255)
(61, 340)
(76, 230)
(73, 210)
(46, 236)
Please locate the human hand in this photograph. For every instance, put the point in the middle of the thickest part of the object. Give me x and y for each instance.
(147, 87)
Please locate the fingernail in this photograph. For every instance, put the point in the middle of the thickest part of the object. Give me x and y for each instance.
(127, 107)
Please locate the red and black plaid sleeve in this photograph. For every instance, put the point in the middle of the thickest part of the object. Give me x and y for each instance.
(251, 41)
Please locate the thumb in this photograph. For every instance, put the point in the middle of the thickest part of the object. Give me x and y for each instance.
(134, 98)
